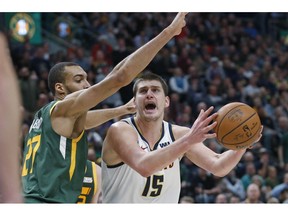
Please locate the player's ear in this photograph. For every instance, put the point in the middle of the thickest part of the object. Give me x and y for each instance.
(167, 101)
(60, 89)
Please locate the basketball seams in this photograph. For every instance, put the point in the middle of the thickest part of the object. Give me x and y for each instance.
(247, 119)
(233, 144)
(218, 126)
(238, 122)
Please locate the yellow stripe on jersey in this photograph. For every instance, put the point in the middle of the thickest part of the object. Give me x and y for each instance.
(73, 154)
(94, 176)
(53, 107)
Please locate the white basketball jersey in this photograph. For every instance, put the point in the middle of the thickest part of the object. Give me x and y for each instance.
(122, 184)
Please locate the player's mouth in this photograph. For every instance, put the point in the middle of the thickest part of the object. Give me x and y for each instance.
(150, 107)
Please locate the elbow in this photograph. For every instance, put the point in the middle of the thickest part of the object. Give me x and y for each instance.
(220, 174)
(145, 174)
(144, 171)
(123, 76)
(219, 171)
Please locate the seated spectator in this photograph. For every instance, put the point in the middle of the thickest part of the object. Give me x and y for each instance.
(214, 70)
(272, 200)
(253, 194)
(186, 200)
(178, 83)
(280, 189)
(247, 178)
(207, 187)
(233, 185)
(234, 199)
(213, 98)
(221, 198)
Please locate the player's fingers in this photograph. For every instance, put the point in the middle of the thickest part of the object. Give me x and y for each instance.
(210, 119)
(211, 126)
(204, 114)
(210, 135)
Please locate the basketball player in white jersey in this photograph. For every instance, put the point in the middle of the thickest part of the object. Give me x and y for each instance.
(141, 154)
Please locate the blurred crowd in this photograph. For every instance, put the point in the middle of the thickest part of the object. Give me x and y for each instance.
(218, 58)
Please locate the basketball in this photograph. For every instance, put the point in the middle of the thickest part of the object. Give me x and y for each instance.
(238, 126)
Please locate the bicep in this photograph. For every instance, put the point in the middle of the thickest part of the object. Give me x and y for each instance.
(123, 140)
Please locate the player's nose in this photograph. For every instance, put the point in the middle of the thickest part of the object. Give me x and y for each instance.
(149, 93)
(87, 84)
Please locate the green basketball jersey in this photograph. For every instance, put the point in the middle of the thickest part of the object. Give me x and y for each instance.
(53, 165)
(90, 183)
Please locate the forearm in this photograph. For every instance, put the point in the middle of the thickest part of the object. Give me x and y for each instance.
(97, 117)
(160, 159)
(138, 60)
(226, 162)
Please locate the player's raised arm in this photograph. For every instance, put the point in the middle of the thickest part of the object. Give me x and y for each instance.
(126, 70)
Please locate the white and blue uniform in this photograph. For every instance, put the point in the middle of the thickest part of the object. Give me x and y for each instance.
(122, 184)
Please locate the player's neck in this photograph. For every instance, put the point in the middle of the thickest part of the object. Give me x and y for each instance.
(151, 130)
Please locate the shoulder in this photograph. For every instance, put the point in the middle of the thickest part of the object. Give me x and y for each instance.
(120, 127)
(179, 131)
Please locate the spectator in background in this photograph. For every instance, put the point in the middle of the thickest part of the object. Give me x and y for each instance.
(233, 186)
(253, 194)
(213, 98)
(215, 70)
(28, 88)
(186, 200)
(272, 200)
(247, 158)
(272, 178)
(178, 83)
(221, 198)
(250, 171)
(234, 199)
(263, 162)
(196, 87)
(188, 174)
(283, 147)
(206, 188)
(101, 52)
(279, 190)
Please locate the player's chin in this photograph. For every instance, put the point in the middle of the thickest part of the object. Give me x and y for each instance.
(150, 112)
(151, 116)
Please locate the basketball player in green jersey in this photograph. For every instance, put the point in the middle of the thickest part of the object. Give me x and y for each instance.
(55, 150)
(91, 184)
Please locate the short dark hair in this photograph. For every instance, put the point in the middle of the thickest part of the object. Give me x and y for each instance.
(57, 74)
(150, 76)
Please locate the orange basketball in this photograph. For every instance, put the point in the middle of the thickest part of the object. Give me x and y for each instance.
(238, 126)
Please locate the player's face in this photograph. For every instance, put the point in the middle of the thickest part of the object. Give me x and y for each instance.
(76, 79)
(150, 100)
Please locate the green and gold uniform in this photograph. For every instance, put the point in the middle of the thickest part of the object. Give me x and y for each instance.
(90, 183)
(53, 165)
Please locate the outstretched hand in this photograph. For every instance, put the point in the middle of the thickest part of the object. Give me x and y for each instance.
(178, 23)
(130, 106)
(200, 130)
